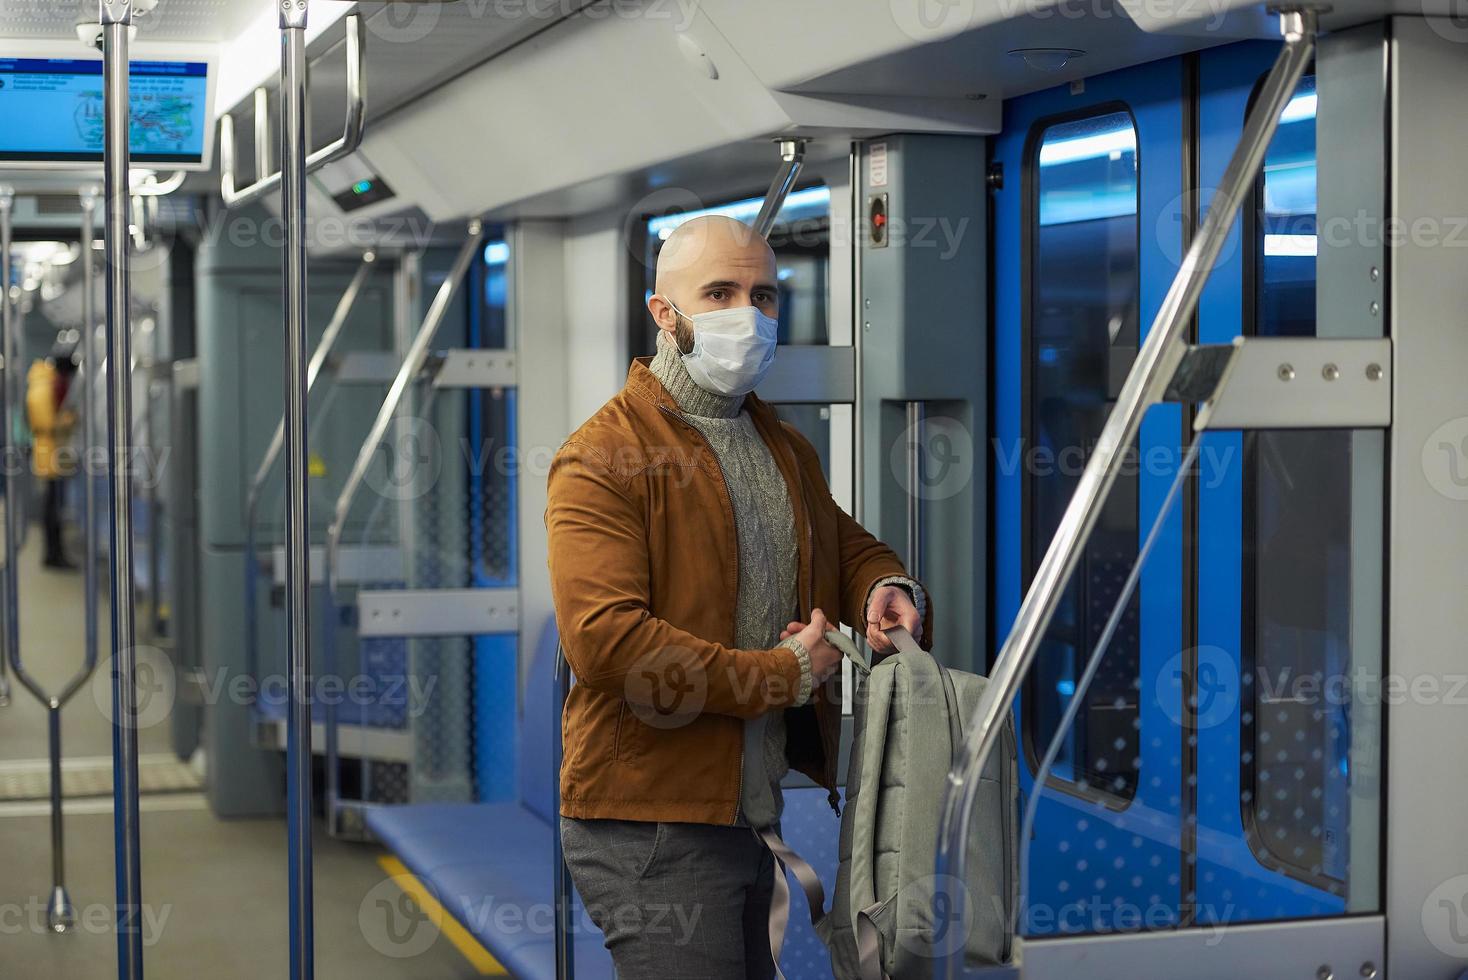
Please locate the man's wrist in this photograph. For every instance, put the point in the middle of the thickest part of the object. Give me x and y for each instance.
(909, 585)
(802, 657)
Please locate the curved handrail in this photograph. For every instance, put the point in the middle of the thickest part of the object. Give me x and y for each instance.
(413, 364)
(151, 186)
(344, 145)
(1146, 384)
(313, 369)
(318, 361)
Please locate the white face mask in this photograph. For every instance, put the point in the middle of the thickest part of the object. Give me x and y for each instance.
(732, 349)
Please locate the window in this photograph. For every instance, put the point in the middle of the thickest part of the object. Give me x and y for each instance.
(1081, 335)
(801, 239)
(1297, 540)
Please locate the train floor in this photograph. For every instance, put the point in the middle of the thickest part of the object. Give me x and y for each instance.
(214, 891)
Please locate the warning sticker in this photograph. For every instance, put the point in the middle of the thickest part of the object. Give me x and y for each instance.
(877, 165)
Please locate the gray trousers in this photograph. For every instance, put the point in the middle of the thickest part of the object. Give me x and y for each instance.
(676, 901)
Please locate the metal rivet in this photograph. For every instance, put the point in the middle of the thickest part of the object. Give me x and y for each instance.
(1286, 372)
(1375, 273)
(1324, 974)
(1373, 372)
(1375, 307)
(1330, 372)
(1368, 970)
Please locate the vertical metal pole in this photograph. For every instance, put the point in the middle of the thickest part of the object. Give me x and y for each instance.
(563, 889)
(60, 914)
(90, 364)
(116, 17)
(916, 416)
(297, 542)
(12, 457)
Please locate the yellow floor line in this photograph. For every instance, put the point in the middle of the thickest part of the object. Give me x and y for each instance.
(469, 947)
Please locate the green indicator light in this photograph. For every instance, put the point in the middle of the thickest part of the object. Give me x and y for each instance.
(362, 186)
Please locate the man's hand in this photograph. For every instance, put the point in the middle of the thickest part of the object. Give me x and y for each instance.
(890, 606)
(825, 659)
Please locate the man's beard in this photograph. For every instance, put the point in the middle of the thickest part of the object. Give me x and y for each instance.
(683, 335)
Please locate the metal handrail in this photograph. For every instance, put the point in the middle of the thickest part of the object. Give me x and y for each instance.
(318, 361)
(116, 20)
(151, 186)
(60, 913)
(343, 146)
(12, 456)
(413, 364)
(89, 197)
(1146, 384)
(792, 156)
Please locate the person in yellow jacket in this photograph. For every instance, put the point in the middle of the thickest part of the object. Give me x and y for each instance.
(51, 426)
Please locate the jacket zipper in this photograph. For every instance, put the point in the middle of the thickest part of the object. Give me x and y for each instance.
(724, 482)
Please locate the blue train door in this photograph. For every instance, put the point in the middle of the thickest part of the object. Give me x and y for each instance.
(1088, 232)
(1274, 545)
(1205, 778)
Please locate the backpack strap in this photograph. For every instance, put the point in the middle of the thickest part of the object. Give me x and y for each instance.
(905, 643)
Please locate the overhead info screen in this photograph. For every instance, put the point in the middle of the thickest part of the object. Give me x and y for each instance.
(51, 111)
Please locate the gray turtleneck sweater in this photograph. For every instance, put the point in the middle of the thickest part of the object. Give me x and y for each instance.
(764, 523)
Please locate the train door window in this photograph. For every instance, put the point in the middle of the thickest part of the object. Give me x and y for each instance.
(1080, 336)
(801, 240)
(1297, 533)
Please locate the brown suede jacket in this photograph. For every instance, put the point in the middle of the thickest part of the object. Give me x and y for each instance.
(643, 567)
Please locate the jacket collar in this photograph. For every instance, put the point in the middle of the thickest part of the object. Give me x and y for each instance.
(644, 384)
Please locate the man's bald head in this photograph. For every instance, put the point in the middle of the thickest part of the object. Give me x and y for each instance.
(712, 263)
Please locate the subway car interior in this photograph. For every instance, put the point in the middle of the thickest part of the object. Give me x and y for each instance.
(282, 690)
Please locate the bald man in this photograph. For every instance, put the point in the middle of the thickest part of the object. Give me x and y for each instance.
(697, 562)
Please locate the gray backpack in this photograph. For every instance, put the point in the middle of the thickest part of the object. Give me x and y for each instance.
(889, 917)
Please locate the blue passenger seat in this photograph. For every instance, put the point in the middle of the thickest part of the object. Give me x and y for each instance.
(489, 864)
